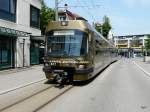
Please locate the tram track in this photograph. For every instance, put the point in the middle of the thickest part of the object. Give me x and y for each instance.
(24, 99)
(37, 101)
(51, 100)
(11, 93)
(21, 86)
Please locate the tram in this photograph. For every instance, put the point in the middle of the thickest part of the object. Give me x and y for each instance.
(75, 51)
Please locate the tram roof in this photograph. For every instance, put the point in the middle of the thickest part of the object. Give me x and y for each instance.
(71, 24)
(76, 24)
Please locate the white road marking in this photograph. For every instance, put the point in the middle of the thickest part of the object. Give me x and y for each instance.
(20, 86)
(147, 73)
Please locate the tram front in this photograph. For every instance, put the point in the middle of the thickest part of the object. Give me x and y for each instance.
(67, 55)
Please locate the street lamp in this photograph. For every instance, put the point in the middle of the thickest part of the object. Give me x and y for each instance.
(144, 53)
(56, 10)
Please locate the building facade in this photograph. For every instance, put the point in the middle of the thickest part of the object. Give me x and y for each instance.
(131, 45)
(19, 23)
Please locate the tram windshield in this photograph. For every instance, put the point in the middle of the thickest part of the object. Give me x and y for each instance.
(67, 43)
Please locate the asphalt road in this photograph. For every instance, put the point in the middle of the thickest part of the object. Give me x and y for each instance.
(123, 87)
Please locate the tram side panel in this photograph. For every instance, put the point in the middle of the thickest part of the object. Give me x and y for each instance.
(114, 54)
(102, 57)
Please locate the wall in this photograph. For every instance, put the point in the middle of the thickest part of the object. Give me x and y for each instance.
(23, 24)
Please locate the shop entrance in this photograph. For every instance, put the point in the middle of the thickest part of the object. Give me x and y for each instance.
(34, 53)
(6, 52)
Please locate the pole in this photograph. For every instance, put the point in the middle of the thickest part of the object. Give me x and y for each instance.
(56, 10)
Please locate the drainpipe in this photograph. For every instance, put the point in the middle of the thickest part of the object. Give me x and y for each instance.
(23, 52)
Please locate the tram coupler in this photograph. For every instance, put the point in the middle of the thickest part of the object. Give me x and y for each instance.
(60, 77)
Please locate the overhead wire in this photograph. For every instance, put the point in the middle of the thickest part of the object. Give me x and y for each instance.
(87, 10)
(94, 6)
(84, 5)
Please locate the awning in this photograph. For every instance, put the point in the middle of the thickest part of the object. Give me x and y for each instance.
(12, 32)
(38, 38)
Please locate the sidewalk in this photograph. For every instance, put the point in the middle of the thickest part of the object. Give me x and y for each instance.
(144, 65)
(18, 77)
(15, 70)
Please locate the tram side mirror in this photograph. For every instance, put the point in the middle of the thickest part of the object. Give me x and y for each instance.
(82, 51)
(144, 53)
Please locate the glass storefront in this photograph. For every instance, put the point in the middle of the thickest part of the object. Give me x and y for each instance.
(8, 42)
(34, 53)
(6, 52)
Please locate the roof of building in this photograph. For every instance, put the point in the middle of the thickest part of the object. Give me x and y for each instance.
(73, 15)
(129, 36)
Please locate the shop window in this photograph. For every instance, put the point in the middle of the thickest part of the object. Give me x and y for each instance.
(4, 56)
(8, 10)
(5, 52)
(34, 17)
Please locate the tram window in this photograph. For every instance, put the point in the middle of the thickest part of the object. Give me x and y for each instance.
(84, 46)
(67, 44)
(96, 52)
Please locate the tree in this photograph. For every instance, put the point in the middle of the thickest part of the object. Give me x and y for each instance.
(147, 44)
(103, 28)
(106, 27)
(98, 27)
(46, 15)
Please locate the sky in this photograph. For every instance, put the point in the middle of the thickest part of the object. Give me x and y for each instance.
(127, 17)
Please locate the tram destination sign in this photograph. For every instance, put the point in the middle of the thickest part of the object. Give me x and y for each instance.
(66, 32)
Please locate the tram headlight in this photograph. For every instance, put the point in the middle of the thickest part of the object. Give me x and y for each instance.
(64, 23)
(81, 66)
(46, 64)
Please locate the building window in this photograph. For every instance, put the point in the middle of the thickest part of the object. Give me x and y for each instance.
(34, 17)
(8, 10)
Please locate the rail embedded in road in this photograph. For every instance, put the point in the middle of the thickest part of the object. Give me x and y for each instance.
(39, 99)
(21, 86)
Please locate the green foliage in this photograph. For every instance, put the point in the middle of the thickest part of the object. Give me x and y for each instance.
(147, 44)
(46, 15)
(98, 27)
(106, 27)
